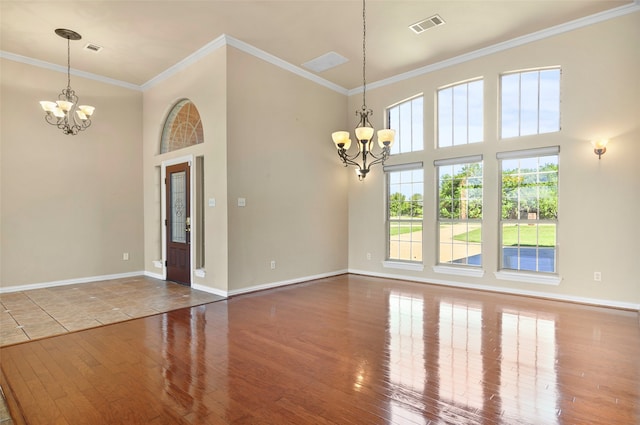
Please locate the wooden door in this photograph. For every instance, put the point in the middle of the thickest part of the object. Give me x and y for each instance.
(178, 224)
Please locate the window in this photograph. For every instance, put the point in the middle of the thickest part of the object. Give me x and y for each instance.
(529, 200)
(460, 114)
(406, 118)
(182, 128)
(405, 192)
(460, 211)
(530, 102)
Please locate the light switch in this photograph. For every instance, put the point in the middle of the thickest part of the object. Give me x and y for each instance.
(212, 202)
(242, 202)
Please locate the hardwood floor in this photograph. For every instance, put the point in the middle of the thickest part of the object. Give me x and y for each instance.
(342, 350)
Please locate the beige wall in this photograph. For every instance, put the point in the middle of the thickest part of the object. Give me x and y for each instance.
(71, 205)
(204, 84)
(599, 200)
(282, 160)
(267, 139)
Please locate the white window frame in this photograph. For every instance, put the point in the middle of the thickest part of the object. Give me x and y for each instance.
(457, 126)
(530, 276)
(413, 124)
(393, 262)
(539, 100)
(447, 267)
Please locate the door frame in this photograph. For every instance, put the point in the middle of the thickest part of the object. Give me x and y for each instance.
(189, 159)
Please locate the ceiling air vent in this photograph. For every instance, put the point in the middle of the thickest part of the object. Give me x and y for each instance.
(324, 62)
(92, 47)
(425, 24)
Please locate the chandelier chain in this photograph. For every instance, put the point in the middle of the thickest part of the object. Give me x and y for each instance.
(364, 56)
(68, 63)
(364, 158)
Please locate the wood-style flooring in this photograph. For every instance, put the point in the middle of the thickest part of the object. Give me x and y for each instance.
(342, 350)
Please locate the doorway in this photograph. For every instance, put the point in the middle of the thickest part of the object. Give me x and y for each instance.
(178, 223)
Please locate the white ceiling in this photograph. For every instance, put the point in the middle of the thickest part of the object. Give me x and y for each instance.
(143, 38)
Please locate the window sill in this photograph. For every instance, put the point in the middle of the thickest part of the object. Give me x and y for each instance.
(529, 277)
(417, 267)
(459, 271)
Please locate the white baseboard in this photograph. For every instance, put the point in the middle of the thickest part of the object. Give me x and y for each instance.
(511, 291)
(17, 288)
(159, 276)
(225, 294)
(210, 290)
(284, 283)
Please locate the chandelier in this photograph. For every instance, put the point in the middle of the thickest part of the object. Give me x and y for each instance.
(65, 113)
(364, 130)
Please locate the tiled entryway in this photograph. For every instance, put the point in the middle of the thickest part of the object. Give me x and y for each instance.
(40, 313)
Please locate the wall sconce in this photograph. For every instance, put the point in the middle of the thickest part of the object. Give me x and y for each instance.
(599, 147)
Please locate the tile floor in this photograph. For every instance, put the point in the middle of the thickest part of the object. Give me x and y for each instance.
(39, 313)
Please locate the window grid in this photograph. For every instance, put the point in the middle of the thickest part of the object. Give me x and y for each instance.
(530, 102)
(405, 193)
(406, 118)
(460, 114)
(529, 219)
(460, 200)
(182, 128)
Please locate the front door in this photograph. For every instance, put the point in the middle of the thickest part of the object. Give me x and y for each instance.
(178, 224)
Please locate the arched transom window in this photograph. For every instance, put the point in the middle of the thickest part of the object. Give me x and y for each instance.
(182, 128)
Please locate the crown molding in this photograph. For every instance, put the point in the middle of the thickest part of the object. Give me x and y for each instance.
(202, 52)
(519, 41)
(274, 60)
(226, 40)
(59, 68)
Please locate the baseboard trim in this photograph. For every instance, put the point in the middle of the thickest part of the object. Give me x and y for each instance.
(272, 285)
(154, 275)
(510, 291)
(210, 290)
(17, 288)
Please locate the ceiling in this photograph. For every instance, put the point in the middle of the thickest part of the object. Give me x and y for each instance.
(141, 39)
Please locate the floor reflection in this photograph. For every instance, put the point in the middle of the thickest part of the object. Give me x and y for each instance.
(460, 359)
(473, 362)
(407, 372)
(342, 350)
(184, 369)
(528, 367)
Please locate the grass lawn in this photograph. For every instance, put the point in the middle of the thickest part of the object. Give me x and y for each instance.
(404, 228)
(545, 234)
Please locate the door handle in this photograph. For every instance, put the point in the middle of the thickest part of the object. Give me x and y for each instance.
(187, 224)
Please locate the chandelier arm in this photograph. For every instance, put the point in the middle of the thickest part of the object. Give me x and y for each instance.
(65, 113)
(346, 159)
(364, 129)
(354, 156)
(378, 160)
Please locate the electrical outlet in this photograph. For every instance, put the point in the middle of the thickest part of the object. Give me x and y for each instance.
(273, 264)
(368, 256)
(597, 276)
(125, 256)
